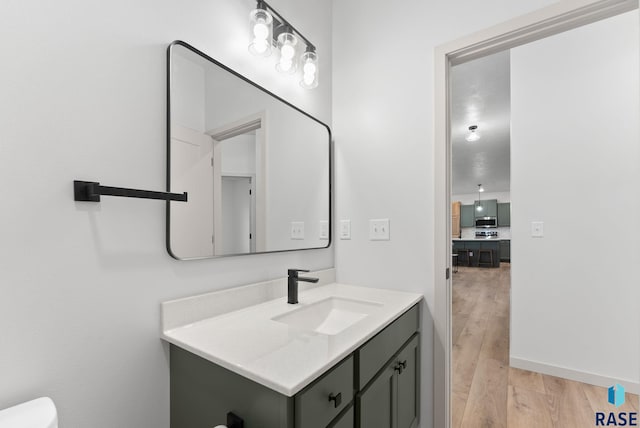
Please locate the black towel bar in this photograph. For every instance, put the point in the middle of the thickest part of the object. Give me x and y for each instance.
(90, 191)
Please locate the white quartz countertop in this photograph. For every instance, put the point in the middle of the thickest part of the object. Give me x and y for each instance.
(286, 357)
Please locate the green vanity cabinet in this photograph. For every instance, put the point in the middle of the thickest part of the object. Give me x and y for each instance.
(489, 208)
(350, 394)
(467, 216)
(391, 399)
(504, 214)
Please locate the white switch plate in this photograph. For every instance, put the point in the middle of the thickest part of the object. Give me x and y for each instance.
(537, 229)
(345, 229)
(324, 229)
(297, 230)
(379, 229)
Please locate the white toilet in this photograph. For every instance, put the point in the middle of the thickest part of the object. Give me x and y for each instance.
(38, 413)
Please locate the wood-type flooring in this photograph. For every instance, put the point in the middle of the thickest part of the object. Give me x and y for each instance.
(486, 392)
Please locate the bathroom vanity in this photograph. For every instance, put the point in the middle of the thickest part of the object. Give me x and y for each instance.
(345, 356)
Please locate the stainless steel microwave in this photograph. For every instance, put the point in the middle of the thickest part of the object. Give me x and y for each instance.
(486, 222)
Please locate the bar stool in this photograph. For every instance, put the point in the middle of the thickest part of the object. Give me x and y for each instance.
(465, 253)
(455, 263)
(488, 261)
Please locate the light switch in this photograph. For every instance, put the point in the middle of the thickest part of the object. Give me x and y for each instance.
(345, 229)
(537, 229)
(297, 230)
(379, 229)
(324, 229)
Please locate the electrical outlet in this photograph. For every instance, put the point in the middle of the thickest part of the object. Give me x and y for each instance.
(324, 229)
(345, 229)
(297, 230)
(379, 229)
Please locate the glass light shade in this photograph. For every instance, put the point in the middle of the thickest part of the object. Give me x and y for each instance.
(473, 136)
(309, 61)
(287, 45)
(260, 32)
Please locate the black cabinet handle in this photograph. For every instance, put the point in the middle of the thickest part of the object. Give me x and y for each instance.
(337, 399)
(400, 366)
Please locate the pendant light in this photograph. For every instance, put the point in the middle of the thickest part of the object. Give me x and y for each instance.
(473, 134)
(480, 190)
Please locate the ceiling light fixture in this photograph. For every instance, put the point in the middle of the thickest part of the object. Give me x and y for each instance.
(473, 134)
(268, 29)
(479, 206)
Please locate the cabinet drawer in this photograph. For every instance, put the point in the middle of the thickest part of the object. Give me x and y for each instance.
(313, 406)
(373, 355)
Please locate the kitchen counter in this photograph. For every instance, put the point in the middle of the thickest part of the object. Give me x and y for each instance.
(284, 356)
(491, 244)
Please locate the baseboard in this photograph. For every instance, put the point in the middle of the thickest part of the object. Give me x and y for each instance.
(566, 373)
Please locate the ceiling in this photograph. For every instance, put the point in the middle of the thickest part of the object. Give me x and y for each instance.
(480, 95)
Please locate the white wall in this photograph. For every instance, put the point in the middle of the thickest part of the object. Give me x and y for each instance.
(83, 97)
(575, 153)
(383, 128)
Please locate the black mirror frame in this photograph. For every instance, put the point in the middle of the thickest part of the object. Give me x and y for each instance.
(168, 148)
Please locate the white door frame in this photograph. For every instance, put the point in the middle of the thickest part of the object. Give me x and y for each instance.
(256, 122)
(542, 23)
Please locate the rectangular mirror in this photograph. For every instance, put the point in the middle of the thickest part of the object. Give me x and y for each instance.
(256, 168)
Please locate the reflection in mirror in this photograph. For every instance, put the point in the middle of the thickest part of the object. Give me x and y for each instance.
(257, 169)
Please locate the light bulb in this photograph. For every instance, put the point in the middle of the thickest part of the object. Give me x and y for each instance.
(260, 30)
(309, 78)
(479, 208)
(285, 64)
(309, 68)
(287, 51)
(260, 45)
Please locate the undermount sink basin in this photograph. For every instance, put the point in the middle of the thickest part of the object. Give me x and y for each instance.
(328, 316)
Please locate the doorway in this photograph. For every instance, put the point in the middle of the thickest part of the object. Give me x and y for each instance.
(552, 20)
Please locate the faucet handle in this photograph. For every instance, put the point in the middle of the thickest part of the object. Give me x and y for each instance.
(294, 272)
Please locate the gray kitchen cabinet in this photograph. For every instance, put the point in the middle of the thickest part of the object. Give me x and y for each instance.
(474, 246)
(504, 214)
(505, 250)
(202, 393)
(467, 216)
(489, 208)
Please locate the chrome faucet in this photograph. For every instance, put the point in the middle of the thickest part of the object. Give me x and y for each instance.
(292, 284)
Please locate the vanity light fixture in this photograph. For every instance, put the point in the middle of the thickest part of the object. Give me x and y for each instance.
(480, 190)
(261, 30)
(473, 134)
(268, 29)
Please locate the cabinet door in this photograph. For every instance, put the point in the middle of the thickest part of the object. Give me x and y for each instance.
(505, 250)
(408, 400)
(346, 420)
(504, 214)
(489, 208)
(467, 216)
(376, 407)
